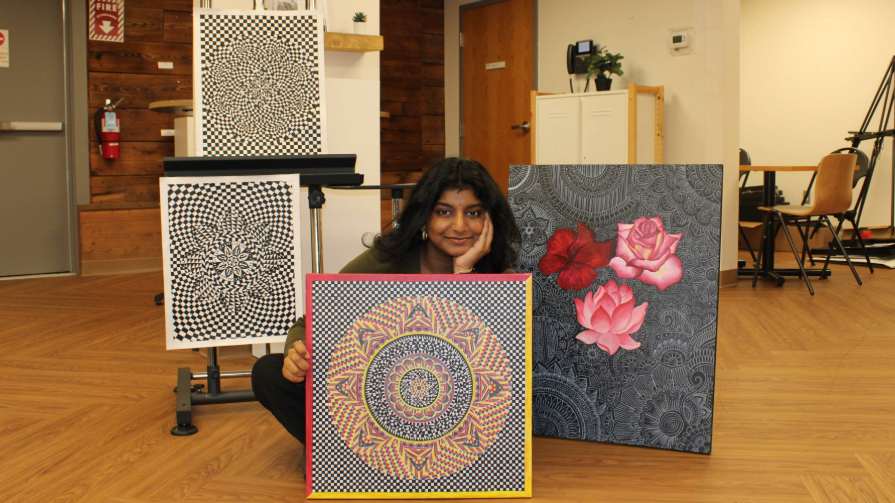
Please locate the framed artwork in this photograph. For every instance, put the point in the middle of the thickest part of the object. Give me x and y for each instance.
(258, 83)
(231, 259)
(625, 261)
(419, 386)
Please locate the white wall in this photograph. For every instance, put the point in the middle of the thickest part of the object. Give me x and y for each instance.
(352, 115)
(701, 89)
(352, 100)
(809, 70)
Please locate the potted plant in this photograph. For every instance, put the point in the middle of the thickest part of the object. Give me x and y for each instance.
(360, 22)
(603, 64)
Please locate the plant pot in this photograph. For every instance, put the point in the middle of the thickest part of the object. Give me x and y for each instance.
(360, 28)
(603, 83)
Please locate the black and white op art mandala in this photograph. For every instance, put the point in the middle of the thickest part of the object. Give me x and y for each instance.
(258, 83)
(231, 259)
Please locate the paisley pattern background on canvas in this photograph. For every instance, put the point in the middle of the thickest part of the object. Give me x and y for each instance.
(659, 394)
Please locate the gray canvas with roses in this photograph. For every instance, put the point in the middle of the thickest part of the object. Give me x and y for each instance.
(625, 266)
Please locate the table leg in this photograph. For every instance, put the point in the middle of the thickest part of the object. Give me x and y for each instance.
(767, 257)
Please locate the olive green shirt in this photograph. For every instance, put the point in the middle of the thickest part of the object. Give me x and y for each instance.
(365, 263)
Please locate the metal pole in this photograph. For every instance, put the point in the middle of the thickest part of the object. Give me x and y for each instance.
(225, 375)
(214, 372)
(397, 197)
(315, 203)
(316, 240)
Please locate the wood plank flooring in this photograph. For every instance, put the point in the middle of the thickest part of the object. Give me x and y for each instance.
(805, 406)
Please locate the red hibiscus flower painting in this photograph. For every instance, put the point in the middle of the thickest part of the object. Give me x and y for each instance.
(575, 256)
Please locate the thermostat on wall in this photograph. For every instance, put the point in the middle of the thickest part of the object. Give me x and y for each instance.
(680, 41)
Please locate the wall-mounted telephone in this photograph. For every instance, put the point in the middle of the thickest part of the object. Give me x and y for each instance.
(576, 56)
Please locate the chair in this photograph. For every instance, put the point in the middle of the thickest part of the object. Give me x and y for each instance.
(832, 196)
(745, 225)
(852, 215)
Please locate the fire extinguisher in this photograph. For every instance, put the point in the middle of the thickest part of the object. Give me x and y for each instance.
(108, 130)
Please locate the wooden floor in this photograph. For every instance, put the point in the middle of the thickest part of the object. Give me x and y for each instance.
(805, 407)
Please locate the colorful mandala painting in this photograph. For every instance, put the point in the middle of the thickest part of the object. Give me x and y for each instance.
(420, 386)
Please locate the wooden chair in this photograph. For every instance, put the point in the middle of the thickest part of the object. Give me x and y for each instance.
(832, 196)
(863, 175)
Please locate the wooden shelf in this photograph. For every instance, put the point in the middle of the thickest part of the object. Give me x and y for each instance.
(350, 42)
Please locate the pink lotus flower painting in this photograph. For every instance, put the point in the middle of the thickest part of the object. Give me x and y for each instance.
(645, 251)
(609, 317)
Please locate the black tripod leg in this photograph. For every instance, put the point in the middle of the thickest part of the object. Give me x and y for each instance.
(861, 242)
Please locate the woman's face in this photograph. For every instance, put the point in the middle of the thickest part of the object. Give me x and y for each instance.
(456, 222)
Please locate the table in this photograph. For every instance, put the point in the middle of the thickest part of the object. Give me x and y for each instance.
(183, 123)
(768, 271)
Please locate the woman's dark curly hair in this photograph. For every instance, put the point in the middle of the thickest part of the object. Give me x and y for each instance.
(457, 174)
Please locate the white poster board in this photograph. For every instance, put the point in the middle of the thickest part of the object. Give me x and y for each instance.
(231, 259)
(258, 83)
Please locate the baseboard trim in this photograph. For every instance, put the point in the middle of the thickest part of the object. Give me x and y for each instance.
(728, 278)
(120, 266)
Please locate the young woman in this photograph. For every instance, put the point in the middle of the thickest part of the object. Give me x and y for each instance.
(456, 221)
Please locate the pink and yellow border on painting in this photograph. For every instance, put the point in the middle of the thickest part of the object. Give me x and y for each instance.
(526, 492)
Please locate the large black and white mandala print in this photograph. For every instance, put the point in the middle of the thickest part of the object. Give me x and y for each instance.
(259, 83)
(231, 259)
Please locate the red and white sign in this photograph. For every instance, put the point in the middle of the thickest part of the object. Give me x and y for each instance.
(4, 48)
(106, 20)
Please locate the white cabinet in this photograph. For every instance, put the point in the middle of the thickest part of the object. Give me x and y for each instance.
(607, 127)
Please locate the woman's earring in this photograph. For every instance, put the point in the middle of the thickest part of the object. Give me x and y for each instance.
(424, 234)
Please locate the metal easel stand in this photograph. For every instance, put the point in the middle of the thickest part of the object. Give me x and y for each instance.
(189, 394)
(884, 101)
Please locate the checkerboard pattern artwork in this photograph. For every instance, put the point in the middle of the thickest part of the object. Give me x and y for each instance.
(231, 259)
(419, 386)
(258, 83)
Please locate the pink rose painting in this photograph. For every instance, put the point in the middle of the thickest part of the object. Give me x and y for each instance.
(645, 251)
(609, 317)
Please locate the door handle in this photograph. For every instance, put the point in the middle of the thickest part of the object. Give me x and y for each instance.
(524, 126)
(9, 126)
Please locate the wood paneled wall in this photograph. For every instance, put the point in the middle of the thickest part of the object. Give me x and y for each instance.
(412, 89)
(155, 30)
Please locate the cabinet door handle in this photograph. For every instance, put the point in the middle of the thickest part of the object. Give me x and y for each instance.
(524, 126)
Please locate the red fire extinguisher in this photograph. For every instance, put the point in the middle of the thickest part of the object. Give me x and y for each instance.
(108, 130)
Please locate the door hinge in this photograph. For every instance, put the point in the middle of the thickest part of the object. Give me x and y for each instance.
(461, 39)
